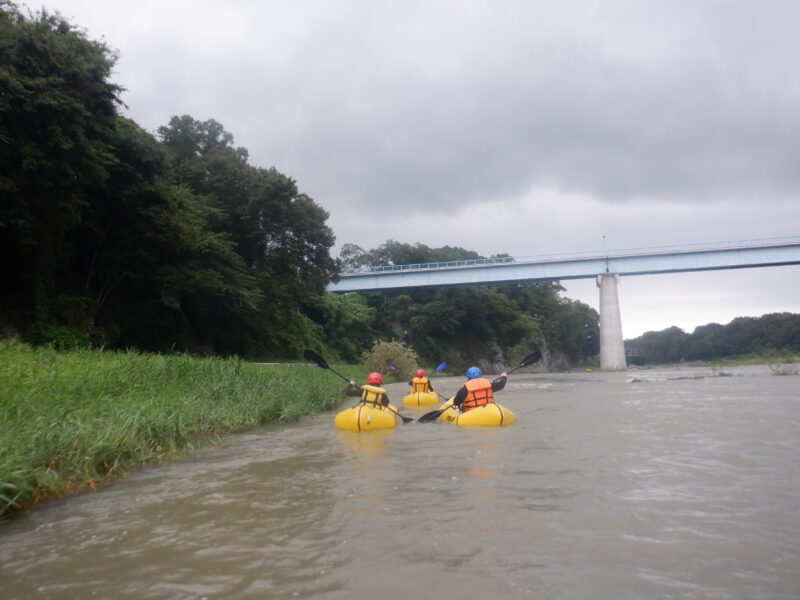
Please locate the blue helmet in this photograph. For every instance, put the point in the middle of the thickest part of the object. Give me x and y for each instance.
(473, 372)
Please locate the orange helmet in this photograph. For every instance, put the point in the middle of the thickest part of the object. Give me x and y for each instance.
(420, 372)
(374, 378)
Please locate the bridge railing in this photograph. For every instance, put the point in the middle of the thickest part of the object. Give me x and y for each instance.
(697, 247)
(434, 265)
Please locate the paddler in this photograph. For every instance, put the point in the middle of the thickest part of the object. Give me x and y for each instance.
(477, 391)
(420, 383)
(371, 393)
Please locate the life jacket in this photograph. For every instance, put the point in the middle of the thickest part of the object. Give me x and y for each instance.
(479, 392)
(419, 384)
(371, 394)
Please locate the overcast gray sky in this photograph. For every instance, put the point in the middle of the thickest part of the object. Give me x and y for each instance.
(517, 126)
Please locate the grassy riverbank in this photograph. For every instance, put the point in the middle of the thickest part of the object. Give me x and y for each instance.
(767, 357)
(69, 420)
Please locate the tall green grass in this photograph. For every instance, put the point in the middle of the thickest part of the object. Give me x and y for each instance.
(71, 419)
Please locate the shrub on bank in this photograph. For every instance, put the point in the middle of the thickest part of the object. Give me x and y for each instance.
(401, 355)
(71, 419)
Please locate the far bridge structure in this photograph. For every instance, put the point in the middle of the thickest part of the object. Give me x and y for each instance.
(606, 267)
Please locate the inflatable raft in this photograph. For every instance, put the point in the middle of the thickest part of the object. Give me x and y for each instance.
(488, 415)
(421, 399)
(367, 416)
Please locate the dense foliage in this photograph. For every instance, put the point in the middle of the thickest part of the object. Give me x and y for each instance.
(404, 361)
(493, 326)
(112, 237)
(744, 335)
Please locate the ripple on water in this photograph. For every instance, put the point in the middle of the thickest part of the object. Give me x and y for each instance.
(681, 488)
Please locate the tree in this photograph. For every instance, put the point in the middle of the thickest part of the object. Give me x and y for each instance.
(488, 324)
(392, 252)
(353, 256)
(189, 139)
(147, 269)
(347, 323)
(665, 346)
(57, 115)
(280, 233)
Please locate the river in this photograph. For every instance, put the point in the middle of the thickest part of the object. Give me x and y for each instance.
(673, 483)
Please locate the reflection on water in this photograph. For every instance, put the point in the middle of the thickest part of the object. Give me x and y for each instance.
(671, 486)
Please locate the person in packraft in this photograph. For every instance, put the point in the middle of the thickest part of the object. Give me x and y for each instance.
(420, 383)
(371, 393)
(477, 391)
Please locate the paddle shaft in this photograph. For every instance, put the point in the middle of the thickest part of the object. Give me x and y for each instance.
(320, 362)
(528, 360)
(395, 367)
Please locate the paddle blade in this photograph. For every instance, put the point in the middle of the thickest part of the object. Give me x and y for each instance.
(441, 367)
(533, 357)
(435, 414)
(431, 416)
(392, 365)
(528, 360)
(312, 356)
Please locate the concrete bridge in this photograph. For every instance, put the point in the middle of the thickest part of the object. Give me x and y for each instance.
(604, 266)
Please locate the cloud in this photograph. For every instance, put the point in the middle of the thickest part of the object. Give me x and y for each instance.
(526, 126)
(494, 104)
(689, 300)
(549, 221)
(416, 104)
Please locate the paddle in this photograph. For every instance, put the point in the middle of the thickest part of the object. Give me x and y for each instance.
(442, 365)
(320, 362)
(528, 360)
(394, 366)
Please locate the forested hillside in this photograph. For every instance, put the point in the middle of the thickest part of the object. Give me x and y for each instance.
(745, 335)
(477, 324)
(116, 237)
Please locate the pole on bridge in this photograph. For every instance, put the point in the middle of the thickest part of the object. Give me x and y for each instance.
(612, 346)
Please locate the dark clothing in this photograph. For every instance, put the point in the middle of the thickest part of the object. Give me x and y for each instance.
(461, 395)
(353, 390)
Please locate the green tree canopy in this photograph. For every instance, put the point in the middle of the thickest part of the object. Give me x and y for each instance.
(57, 119)
(463, 325)
(743, 335)
(112, 236)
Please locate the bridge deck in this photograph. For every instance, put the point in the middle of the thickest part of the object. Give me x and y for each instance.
(642, 261)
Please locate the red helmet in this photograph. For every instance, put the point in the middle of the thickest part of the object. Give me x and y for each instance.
(420, 372)
(374, 378)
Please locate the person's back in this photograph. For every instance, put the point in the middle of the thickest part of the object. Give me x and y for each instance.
(477, 391)
(371, 392)
(420, 383)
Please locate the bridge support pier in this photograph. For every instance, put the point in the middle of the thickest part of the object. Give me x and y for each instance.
(612, 346)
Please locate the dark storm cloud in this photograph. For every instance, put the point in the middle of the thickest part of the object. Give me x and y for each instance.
(491, 117)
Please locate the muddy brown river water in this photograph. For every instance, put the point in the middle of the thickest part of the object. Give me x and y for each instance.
(680, 483)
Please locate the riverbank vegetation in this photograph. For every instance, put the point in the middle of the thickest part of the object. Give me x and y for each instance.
(771, 338)
(155, 246)
(71, 419)
(116, 237)
(777, 360)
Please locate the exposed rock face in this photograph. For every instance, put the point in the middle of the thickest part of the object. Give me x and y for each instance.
(500, 364)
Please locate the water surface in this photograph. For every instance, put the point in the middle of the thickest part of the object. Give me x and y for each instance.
(644, 484)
